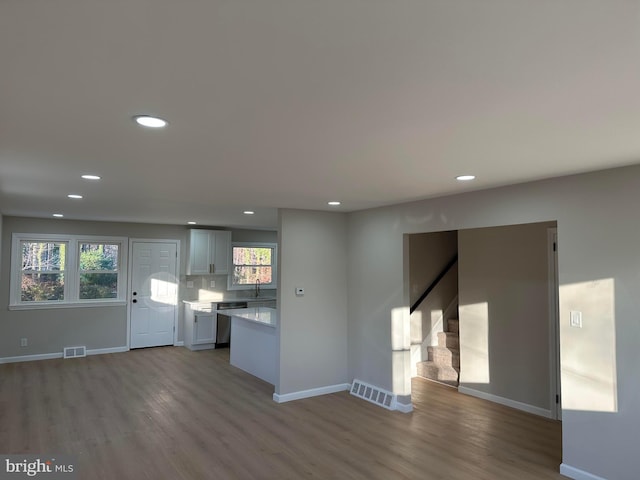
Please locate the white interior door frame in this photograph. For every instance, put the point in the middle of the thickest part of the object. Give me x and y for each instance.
(554, 326)
(130, 276)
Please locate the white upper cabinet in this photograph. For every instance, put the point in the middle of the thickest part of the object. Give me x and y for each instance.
(209, 252)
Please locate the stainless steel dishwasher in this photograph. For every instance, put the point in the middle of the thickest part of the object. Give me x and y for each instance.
(223, 329)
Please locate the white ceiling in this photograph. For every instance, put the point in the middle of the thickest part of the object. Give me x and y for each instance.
(291, 103)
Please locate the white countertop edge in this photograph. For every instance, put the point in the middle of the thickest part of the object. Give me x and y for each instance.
(251, 314)
(229, 300)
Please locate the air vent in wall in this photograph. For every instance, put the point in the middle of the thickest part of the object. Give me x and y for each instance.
(75, 352)
(373, 394)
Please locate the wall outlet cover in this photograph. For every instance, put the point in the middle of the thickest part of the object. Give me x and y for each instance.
(576, 319)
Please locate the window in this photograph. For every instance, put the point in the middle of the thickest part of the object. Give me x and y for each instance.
(66, 270)
(42, 272)
(253, 263)
(98, 270)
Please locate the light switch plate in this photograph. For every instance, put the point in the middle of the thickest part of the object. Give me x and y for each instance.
(212, 283)
(299, 291)
(576, 319)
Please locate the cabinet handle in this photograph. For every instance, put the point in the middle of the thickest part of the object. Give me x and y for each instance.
(213, 268)
(195, 320)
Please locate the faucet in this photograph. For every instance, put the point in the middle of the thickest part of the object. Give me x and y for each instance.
(257, 287)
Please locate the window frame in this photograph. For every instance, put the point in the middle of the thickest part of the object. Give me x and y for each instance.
(274, 266)
(71, 271)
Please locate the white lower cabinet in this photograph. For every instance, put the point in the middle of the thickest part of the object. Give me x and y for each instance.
(204, 328)
(199, 328)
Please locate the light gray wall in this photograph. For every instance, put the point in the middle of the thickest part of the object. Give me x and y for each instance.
(429, 253)
(313, 328)
(246, 235)
(597, 217)
(504, 312)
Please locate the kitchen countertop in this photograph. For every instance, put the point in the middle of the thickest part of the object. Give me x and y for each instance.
(262, 315)
(210, 305)
(226, 300)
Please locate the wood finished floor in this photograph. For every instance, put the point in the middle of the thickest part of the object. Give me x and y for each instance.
(169, 413)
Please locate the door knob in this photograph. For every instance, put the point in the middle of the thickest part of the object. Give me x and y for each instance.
(135, 301)
(135, 293)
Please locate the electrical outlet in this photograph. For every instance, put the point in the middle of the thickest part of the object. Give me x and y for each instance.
(212, 284)
(576, 319)
(23, 342)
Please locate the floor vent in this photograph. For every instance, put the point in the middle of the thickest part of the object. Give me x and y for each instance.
(75, 352)
(373, 394)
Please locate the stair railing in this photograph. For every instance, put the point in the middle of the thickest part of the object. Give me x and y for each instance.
(430, 288)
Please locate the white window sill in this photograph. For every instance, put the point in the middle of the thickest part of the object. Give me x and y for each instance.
(46, 306)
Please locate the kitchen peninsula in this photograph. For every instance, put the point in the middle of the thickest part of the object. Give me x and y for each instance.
(254, 346)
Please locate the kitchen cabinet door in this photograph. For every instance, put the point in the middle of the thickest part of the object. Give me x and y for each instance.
(221, 252)
(209, 252)
(204, 328)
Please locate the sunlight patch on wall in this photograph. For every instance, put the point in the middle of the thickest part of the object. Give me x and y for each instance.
(210, 296)
(474, 343)
(401, 354)
(588, 353)
(400, 329)
(436, 326)
(415, 324)
(401, 372)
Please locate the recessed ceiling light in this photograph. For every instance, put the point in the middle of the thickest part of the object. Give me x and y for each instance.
(58, 215)
(74, 195)
(148, 121)
(191, 223)
(465, 178)
(333, 204)
(248, 212)
(91, 177)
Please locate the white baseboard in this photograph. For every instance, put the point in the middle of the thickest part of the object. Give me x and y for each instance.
(102, 351)
(401, 407)
(49, 356)
(313, 392)
(179, 344)
(205, 346)
(577, 474)
(31, 358)
(507, 402)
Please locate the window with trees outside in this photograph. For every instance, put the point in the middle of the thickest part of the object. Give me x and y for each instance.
(66, 270)
(253, 264)
(98, 270)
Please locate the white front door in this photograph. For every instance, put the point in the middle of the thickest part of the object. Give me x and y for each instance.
(153, 299)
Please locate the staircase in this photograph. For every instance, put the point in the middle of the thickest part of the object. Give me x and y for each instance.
(443, 361)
